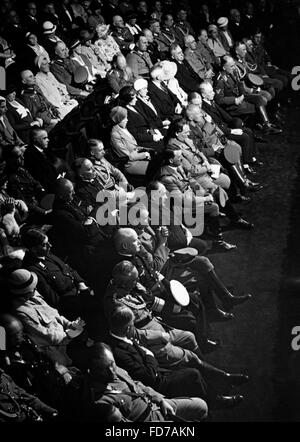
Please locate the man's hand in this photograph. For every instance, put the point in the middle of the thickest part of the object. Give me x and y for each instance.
(82, 287)
(78, 324)
(209, 199)
(178, 109)
(166, 409)
(165, 337)
(162, 235)
(89, 221)
(236, 132)
(67, 377)
(157, 137)
(239, 100)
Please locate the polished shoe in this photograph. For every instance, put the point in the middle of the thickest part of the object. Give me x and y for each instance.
(230, 301)
(270, 129)
(222, 246)
(236, 379)
(209, 346)
(240, 199)
(253, 187)
(242, 224)
(258, 163)
(228, 401)
(219, 315)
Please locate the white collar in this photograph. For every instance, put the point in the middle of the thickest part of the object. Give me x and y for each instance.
(39, 149)
(123, 338)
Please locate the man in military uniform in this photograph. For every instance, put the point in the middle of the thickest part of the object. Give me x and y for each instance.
(172, 347)
(122, 35)
(61, 286)
(16, 405)
(238, 100)
(139, 60)
(128, 246)
(109, 384)
(160, 39)
(196, 60)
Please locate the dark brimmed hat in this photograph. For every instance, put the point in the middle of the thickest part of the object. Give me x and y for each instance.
(74, 43)
(9, 89)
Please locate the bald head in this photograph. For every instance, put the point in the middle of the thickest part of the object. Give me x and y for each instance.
(27, 78)
(207, 91)
(127, 242)
(190, 42)
(13, 328)
(61, 50)
(118, 21)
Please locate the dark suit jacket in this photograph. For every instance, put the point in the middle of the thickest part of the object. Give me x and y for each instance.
(220, 117)
(150, 116)
(163, 100)
(41, 167)
(136, 362)
(139, 127)
(187, 77)
(55, 278)
(145, 368)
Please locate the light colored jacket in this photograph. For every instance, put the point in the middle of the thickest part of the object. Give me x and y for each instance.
(124, 144)
(45, 327)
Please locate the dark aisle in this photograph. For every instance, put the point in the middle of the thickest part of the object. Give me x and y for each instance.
(256, 340)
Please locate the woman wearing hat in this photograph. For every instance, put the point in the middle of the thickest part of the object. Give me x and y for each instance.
(49, 37)
(125, 145)
(224, 34)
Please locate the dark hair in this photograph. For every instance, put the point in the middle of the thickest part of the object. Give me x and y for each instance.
(175, 127)
(126, 94)
(123, 268)
(93, 142)
(34, 131)
(96, 358)
(33, 237)
(192, 95)
(137, 37)
(120, 319)
(76, 165)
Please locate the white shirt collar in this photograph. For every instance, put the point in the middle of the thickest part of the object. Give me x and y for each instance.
(123, 338)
